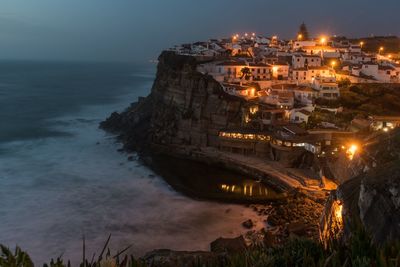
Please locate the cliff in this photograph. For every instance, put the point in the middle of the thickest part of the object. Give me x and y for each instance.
(185, 108)
(372, 197)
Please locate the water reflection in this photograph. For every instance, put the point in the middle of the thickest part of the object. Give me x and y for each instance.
(247, 188)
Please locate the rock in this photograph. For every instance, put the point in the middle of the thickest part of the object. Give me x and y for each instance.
(230, 245)
(248, 224)
(371, 198)
(297, 228)
(269, 239)
(273, 220)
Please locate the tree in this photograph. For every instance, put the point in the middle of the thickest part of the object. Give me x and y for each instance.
(303, 32)
(246, 73)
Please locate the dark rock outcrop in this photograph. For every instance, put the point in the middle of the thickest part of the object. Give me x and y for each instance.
(184, 107)
(229, 245)
(372, 198)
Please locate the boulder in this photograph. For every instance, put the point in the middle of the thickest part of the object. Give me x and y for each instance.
(248, 224)
(229, 245)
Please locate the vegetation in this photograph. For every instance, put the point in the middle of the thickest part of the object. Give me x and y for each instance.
(371, 99)
(357, 252)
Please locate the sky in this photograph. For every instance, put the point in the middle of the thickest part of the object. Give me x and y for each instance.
(138, 30)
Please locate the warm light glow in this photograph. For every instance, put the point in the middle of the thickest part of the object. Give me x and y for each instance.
(351, 151)
(381, 49)
(361, 44)
(275, 68)
(333, 63)
(254, 34)
(389, 56)
(385, 129)
(253, 110)
(245, 34)
(323, 40)
(300, 36)
(251, 91)
(338, 210)
(274, 37)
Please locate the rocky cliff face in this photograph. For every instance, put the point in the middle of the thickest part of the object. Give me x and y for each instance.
(372, 198)
(184, 107)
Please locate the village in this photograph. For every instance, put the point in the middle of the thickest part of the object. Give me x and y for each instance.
(286, 84)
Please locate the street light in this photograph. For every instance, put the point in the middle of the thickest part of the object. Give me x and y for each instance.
(333, 64)
(381, 49)
(323, 40)
(299, 37)
(361, 44)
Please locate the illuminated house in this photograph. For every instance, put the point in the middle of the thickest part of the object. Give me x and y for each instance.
(279, 99)
(306, 75)
(302, 61)
(327, 87)
(247, 91)
(299, 115)
(280, 71)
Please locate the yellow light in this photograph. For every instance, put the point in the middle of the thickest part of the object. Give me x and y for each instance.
(386, 129)
(389, 56)
(361, 43)
(300, 36)
(381, 48)
(333, 63)
(351, 151)
(322, 40)
(338, 209)
(274, 37)
(274, 68)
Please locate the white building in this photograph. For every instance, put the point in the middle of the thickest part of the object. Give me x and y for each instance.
(304, 94)
(306, 75)
(280, 71)
(327, 87)
(302, 61)
(297, 45)
(299, 115)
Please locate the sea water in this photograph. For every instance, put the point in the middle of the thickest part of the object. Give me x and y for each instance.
(61, 177)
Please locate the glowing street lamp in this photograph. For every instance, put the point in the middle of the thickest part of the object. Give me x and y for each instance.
(381, 49)
(299, 36)
(362, 44)
(333, 64)
(323, 40)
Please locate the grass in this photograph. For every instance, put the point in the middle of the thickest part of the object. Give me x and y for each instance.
(357, 251)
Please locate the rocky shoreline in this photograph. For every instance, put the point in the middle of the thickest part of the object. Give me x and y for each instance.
(182, 118)
(150, 128)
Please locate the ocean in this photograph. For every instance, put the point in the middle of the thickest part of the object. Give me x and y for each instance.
(61, 177)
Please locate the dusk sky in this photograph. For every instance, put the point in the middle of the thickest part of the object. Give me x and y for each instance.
(133, 30)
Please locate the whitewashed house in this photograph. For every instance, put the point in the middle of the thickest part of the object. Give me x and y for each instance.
(327, 87)
(306, 75)
(299, 115)
(304, 94)
(302, 61)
